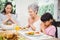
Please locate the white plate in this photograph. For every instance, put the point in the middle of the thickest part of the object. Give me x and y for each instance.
(7, 26)
(34, 34)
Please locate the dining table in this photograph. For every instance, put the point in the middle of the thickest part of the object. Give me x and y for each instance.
(41, 36)
(36, 37)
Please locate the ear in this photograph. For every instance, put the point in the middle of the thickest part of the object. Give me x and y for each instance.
(51, 20)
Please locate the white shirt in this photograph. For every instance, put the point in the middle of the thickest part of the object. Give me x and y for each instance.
(36, 25)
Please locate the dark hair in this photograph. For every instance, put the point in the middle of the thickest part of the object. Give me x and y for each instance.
(54, 23)
(8, 3)
(46, 17)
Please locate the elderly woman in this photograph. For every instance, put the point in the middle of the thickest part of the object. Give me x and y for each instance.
(34, 19)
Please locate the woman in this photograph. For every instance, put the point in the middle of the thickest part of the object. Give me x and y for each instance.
(6, 15)
(34, 19)
(47, 27)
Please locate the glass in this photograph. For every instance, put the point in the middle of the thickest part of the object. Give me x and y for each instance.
(17, 28)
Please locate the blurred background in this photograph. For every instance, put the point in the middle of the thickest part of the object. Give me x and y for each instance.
(2, 3)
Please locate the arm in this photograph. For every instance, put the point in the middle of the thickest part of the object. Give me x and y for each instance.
(5, 20)
(33, 27)
(13, 20)
(52, 32)
(30, 24)
(43, 28)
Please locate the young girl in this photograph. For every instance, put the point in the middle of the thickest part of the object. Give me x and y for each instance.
(46, 25)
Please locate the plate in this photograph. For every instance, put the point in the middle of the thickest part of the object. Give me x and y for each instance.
(33, 33)
(9, 27)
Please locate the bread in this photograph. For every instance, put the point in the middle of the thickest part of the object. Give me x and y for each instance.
(9, 35)
(30, 33)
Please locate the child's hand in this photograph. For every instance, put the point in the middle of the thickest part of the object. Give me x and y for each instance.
(42, 27)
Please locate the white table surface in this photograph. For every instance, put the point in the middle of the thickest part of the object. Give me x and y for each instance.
(40, 37)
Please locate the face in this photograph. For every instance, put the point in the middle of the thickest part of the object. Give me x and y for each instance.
(47, 23)
(31, 12)
(8, 8)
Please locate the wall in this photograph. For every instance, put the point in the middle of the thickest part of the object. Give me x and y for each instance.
(55, 9)
(22, 10)
(58, 14)
(58, 10)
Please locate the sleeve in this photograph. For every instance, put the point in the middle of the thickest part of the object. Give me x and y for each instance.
(14, 16)
(1, 18)
(52, 32)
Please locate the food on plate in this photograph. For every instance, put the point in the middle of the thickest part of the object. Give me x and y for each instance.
(1, 37)
(37, 32)
(33, 33)
(30, 33)
(8, 36)
(24, 28)
(8, 23)
(22, 38)
(3, 29)
(13, 37)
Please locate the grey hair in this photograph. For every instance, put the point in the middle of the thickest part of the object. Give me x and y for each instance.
(34, 7)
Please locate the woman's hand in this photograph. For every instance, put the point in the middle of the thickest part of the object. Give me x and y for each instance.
(33, 27)
(30, 24)
(30, 21)
(11, 19)
(8, 15)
